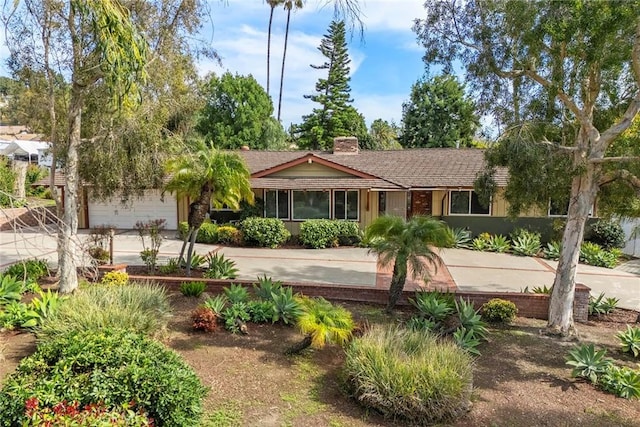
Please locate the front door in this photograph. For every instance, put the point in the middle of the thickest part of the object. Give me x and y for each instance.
(420, 203)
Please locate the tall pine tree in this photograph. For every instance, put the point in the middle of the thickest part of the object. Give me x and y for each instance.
(335, 115)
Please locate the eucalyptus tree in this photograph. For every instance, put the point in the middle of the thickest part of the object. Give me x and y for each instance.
(103, 51)
(208, 177)
(569, 73)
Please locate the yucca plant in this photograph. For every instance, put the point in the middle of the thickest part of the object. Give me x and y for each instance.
(322, 322)
(236, 293)
(10, 289)
(220, 268)
(266, 287)
(587, 362)
(630, 340)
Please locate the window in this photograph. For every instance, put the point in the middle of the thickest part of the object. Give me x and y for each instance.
(276, 204)
(345, 204)
(466, 202)
(311, 204)
(557, 208)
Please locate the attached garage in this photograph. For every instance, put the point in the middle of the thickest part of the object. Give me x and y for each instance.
(148, 207)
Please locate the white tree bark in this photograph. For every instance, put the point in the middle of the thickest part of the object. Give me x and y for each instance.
(20, 168)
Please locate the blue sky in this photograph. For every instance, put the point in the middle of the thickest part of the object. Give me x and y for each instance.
(385, 63)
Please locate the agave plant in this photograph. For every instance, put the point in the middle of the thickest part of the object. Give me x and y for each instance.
(433, 305)
(236, 293)
(498, 243)
(216, 304)
(526, 244)
(286, 307)
(470, 319)
(266, 287)
(220, 267)
(630, 340)
(622, 381)
(587, 362)
(552, 251)
(467, 340)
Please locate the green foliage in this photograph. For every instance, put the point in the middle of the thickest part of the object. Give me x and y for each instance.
(622, 381)
(238, 311)
(229, 235)
(264, 232)
(261, 311)
(198, 260)
(216, 304)
(608, 234)
(410, 375)
(204, 319)
(28, 270)
(467, 340)
(16, 314)
(137, 308)
(324, 322)
(151, 230)
(419, 323)
(630, 340)
(100, 255)
(110, 366)
(435, 306)
(34, 173)
(479, 244)
(236, 293)
(7, 179)
(470, 319)
(601, 305)
(438, 114)
(93, 415)
(498, 243)
(10, 289)
(115, 278)
(458, 238)
(541, 290)
(498, 310)
(593, 254)
(192, 289)
(172, 266)
(207, 233)
(588, 362)
(552, 251)
(525, 243)
(44, 306)
(220, 268)
(334, 116)
(384, 135)
(326, 233)
(266, 287)
(286, 306)
(238, 112)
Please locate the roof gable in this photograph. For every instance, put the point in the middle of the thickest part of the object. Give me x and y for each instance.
(309, 159)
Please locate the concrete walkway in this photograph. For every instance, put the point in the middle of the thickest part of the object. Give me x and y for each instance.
(465, 269)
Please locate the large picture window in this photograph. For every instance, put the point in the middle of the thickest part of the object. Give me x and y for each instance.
(345, 204)
(276, 204)
(466, 202)
(311, 205)
(557, 208)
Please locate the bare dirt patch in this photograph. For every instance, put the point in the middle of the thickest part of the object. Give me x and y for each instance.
(520, 380)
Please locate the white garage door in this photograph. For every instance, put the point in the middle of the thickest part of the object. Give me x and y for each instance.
(138, 209)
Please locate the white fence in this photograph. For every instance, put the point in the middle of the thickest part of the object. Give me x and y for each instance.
(632, 234)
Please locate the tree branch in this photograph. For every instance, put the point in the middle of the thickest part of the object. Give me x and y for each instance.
(616, 159)
(558, 146)
(560, 94)
(621, 174)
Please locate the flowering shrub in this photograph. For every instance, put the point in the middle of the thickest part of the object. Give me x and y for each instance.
(95, 414)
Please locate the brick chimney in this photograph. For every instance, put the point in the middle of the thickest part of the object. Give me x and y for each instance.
(345, 145)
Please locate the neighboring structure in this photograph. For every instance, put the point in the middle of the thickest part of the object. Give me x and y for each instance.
(16, 142)
(345, 183)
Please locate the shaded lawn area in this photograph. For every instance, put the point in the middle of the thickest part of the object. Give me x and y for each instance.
(520, 379)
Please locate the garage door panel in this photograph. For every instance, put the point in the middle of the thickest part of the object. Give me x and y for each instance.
(125, 216)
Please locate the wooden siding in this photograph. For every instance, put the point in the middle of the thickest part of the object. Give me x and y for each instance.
(183, 209)
(368, 215)
(309, 170)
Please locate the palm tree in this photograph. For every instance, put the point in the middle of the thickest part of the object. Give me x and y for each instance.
(207, 176)
(272, 5)
(322, 322)
(409, 244)
(288, 5)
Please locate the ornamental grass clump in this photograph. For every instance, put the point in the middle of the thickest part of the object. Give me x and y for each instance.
(138, 308)
(409, 375)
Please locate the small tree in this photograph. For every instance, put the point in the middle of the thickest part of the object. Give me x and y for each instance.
(409, 245)
(153, 231)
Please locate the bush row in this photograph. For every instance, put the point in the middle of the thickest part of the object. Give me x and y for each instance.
(271, 233)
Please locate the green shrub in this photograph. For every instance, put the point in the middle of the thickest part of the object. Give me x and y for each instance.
(630, 340)
(229, 235)
(264, 232)
(47, 304)
(208, 232)
(94, 415)
(10, 289)
(319, 233)
(172, 266)
(261, 311)
(235, 315)
(28, 270)
(7, 179)
(143, 309)
(100, 255)
(16, 314)
(197, 260)
(115, 278)
(608, 234)
(601, 305)
(110, 366)
(192, 289)
(499, 311)
(410, 375)
(349, 233)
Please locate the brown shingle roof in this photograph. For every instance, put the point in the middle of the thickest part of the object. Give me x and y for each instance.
(414, 168)
(321, 183)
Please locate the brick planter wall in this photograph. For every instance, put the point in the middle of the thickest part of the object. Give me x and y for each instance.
(529, 305)
(26, 217)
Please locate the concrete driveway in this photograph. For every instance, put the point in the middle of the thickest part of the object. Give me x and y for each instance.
(469, 270)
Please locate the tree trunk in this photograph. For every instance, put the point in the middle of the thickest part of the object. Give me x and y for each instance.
(284, 56)
(300, 347)
(194, 235)
(269, 46)
(185, 240)
(20, 169)
(397, 283)
(583, 192)
(67, 230)
(197, 213)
